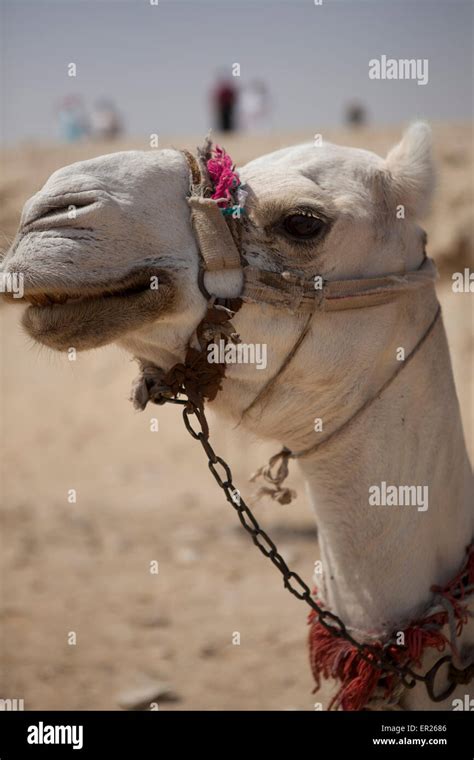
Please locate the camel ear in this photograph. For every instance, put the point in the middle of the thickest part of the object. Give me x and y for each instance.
(409, 170)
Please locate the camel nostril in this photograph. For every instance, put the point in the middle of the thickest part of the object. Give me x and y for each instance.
(48, 214)
(61, 209)
(63, 214)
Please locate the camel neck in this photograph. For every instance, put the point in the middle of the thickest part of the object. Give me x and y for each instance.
(391, 496)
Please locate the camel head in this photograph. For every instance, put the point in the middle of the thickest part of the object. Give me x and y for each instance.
(93, 240)
(98, 232)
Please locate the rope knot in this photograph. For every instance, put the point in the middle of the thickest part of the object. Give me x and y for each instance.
(275, 473)
(149, 386)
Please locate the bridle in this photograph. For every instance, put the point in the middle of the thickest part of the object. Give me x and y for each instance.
(191, 383)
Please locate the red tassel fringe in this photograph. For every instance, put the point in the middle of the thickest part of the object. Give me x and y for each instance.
(332, 657)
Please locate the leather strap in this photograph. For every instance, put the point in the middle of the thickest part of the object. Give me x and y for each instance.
(291, 291)
(216, 244)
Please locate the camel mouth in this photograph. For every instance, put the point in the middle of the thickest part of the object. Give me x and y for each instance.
(63, 319)
(58, 293)
(58, 299)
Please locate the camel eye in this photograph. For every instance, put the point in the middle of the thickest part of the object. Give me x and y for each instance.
(302, 226)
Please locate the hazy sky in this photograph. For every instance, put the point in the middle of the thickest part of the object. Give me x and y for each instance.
(158, 62)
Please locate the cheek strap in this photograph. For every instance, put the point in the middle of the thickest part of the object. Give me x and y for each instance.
(292, 291)
(216, 243)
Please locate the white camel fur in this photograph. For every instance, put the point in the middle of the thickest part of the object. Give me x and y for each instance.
(379, 562)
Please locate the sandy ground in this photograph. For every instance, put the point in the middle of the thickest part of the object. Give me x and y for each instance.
(84, 567)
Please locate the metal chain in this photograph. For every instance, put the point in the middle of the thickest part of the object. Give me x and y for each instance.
(378, 658)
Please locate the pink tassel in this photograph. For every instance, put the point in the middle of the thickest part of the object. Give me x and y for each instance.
(223, 176)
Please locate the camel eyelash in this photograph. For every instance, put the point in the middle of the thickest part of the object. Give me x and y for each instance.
(305, 212)
(315, 212)
(302, 226)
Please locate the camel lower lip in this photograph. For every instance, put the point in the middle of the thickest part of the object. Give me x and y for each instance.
(93, 321)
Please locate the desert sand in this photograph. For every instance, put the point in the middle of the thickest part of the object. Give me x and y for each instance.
(84, 567)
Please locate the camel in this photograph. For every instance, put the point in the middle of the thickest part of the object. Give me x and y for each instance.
(371, 364)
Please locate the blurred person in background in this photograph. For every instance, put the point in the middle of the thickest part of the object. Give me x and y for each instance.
(254, 106)
(72, 119)
(224, 98)
(106, 122)
(355, 114)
